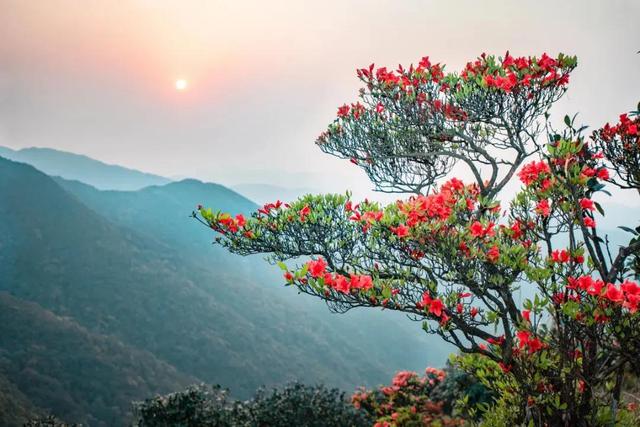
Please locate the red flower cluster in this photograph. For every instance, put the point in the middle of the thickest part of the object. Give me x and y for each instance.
(626, 129)
(535, 172)
(627, 294)
(493, 254)
(514, 73)
(402, 378)
(563, 256)
(438, 205)
(434, 306)
(406, 401)
(344, 285)
(317, 268)
(225, 223)
(602, 173)
(543, 208)
(407, 80)
(271, 206)
(400, 231)
(479, 231)
(525, 339)
(367, 218)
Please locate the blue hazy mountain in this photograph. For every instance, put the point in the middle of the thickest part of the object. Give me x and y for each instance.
(83, 168)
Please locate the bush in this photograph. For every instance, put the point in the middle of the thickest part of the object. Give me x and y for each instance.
(408, 401)
(292, 405)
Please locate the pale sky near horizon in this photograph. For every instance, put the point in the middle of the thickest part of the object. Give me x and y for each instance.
(265, 77)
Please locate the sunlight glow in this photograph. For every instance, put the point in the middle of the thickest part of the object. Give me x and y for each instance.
(181, 84)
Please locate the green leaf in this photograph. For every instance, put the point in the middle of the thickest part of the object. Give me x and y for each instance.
(628, 230)
(282, 266)
(599, 208)
(567, 120)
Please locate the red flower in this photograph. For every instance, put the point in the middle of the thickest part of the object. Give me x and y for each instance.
(614, 293)
(496, 341)
(603, 174)
(478, 230)
(342, 285)
(240, 220)
(328, 280)
(523, 338)
(532, 171)
(343, 111)
(424, 62)
(592, 287)
(534, 345)
(526, 315)
(358, 110)
(630, 288)
(401, 230)
(434, 305)
(589, 222)
(288, 276)
(560, 256)
(543, 208)
(317, 268)
(493, 254)
(379, 108)
(366, 282)
(373, 216)
(304, 212)
(587, 204)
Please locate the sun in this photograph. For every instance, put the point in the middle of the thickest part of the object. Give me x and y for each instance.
(181, 84)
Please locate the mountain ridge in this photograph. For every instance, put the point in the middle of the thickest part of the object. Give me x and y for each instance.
(69, 165)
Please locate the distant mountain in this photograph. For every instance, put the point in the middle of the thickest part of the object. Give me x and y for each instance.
(265, 193)
(133, 268)
(82, 168)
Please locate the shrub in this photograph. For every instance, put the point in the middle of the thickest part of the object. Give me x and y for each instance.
(294, 404)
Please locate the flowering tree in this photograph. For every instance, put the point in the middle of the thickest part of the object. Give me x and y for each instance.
(451, 255)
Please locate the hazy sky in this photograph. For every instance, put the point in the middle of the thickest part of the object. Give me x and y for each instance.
(265, 77)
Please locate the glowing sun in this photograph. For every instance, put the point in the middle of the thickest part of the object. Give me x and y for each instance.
(181, 84)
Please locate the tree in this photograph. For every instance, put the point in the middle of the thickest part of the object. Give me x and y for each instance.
(451, 255)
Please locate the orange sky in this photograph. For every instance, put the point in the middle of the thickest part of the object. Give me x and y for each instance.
(265, 77)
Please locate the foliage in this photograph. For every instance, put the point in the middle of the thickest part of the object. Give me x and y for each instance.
(294, 404)
(198, 405)
(451, 255)
(408, 401)
(47, 421)
(461, 394)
